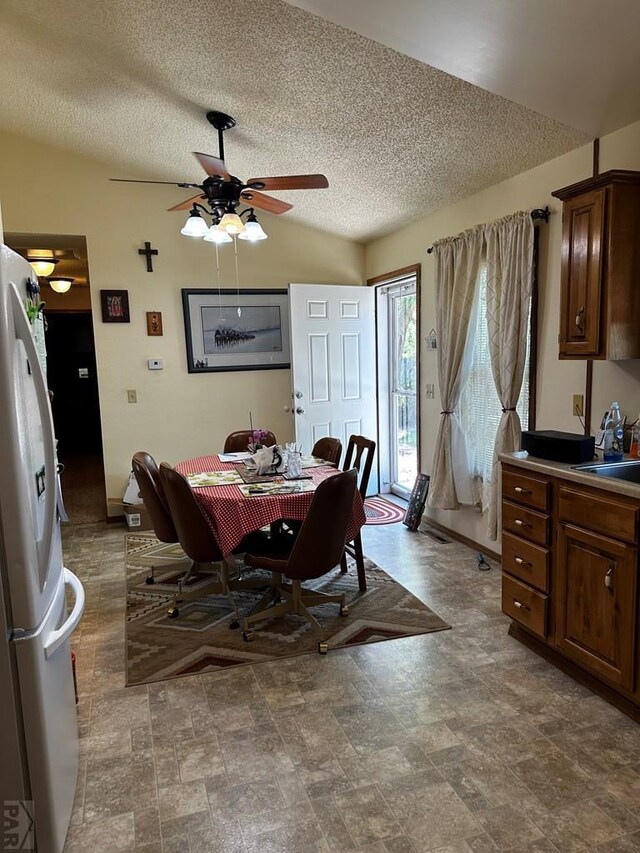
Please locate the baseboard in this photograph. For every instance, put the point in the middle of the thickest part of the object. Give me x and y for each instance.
(458, 537)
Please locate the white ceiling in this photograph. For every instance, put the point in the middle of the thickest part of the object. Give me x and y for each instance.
(128, 82)
(577, 61)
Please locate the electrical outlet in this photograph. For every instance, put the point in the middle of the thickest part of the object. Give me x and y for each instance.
(132, 396)
(578, 405)
(430, 391)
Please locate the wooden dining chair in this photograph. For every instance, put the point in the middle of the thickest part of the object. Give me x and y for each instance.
(147, 476)
(315, 552)
(240, 440)
(328, 448)
(360, 453)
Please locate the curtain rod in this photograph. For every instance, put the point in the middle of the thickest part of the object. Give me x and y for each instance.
(538, 213)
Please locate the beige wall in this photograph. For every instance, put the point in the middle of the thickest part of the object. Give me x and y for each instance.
(557, 380)
(178, 414)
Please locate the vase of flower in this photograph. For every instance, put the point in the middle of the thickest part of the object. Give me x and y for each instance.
(257, 440)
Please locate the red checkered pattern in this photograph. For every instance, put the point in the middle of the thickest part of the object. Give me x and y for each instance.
(233, 516)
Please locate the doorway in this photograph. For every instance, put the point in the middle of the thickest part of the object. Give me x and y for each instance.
(71, 371)
(398, 312)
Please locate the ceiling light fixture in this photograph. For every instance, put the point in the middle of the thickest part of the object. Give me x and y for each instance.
(42, 267)
(60, 283)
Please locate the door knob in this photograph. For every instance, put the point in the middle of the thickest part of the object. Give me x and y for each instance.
(299, 394)
(299, 411)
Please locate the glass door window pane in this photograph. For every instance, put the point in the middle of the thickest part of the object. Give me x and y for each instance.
(403, 415)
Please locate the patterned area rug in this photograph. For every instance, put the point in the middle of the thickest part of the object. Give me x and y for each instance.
(381, 511)
(200, 638)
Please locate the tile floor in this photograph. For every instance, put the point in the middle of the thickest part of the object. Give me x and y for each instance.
(457, 742)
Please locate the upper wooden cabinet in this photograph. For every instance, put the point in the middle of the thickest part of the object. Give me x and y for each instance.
(600, 295)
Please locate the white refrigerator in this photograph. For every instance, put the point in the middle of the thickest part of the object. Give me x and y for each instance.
(38, 725)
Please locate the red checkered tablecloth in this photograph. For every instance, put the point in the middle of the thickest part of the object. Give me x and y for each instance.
(232, 515)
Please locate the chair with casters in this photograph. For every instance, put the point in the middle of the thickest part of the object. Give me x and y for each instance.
(198, 542)
(328, 448)
(360, 453)
(238, 441)
(316, 551)
(148, 478)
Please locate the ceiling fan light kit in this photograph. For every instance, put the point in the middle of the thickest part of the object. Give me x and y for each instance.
(221, 193)
(216, 235)
(195, 226)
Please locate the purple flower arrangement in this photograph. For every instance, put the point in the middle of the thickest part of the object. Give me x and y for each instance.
(258, 436)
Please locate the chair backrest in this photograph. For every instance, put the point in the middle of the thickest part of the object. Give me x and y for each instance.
(238, 441)
(148, 478)
(328, 448)
(194, 531)
(319, 545)
(360, 453)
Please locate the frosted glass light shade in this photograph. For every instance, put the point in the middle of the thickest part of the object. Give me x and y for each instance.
(232, 224)
(252, 231)
(195, 226)
(216, 235)
(43, 267)
(60, 285)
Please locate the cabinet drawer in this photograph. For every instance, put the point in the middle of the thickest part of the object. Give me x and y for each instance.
(602, 514)
(525, 490)
(525, 605)
(526, 561)
(525, 523)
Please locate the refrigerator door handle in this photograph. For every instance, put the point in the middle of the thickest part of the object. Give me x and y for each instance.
(59, 636)
(23, 333)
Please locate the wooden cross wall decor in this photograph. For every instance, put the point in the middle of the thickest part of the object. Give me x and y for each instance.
(149, 252)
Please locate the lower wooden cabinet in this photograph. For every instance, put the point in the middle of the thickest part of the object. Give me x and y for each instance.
(570, 578)
(595, 595)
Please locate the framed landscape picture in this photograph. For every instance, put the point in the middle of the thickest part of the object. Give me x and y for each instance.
(115, 306)
(236, 330)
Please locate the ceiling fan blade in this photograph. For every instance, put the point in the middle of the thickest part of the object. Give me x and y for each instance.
(171, 183)
(188, 203)
(290, 182)
(213, 166)
(265, 202)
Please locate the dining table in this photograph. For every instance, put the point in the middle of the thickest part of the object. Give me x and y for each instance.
(233, 514)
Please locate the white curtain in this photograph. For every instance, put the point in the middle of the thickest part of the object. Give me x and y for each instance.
(509, 246)
(457, 265)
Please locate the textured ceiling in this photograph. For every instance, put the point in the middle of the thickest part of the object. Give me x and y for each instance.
(574, 60)
(129, 82)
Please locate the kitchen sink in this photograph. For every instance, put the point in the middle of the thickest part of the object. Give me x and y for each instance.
(628, 470)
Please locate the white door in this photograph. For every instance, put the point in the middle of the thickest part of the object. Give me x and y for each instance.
(333, 364)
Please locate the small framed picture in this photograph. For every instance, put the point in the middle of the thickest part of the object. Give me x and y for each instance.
(154, 323)
(115, 306)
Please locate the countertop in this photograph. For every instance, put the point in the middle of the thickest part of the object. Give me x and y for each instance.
(521, 459)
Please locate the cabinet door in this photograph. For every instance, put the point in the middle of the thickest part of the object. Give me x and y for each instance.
(595, 588)
(581, 332)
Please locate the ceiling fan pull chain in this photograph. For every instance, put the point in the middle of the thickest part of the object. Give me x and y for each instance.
(218, 278)
(235, 251)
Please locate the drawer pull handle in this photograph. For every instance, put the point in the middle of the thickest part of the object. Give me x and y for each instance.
(520, 523)
(608, 578)
(519, 490)
(522, 562)
(580, 321)
(520, 605)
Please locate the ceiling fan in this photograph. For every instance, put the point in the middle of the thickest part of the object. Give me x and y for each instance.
(221, 193)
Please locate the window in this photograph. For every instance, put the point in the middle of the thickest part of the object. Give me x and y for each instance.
(480, 408)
